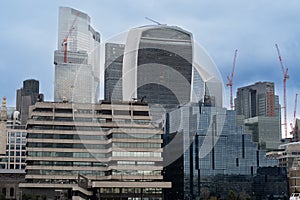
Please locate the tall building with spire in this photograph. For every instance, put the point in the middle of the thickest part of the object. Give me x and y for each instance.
(77, 58)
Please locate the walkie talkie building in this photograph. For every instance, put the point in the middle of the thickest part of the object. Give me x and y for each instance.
(163, 66)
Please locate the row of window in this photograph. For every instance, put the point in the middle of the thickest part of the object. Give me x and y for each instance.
(91, 137)
(134, 163)
(16, 147)
(136, 136)
(68, 128)
(90, 111)
(85, 119)
(66, 136)
(12, 166)
(16, 134)
(16, 153)
(136, 172)
(136, 145)
(136, 154)
(130, 190)
(66, 154)
(66, 145)
(97, 112)
(67, 163)
(92, 155)
(65, 172)
(14, 140)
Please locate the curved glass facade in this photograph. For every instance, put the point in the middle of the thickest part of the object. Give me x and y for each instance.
(78, 79)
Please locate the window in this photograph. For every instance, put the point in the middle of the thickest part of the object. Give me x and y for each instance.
(11, 192)
(140, 113)
(4, 191)
(122, 112)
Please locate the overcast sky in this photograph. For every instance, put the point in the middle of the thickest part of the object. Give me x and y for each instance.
(28, 37)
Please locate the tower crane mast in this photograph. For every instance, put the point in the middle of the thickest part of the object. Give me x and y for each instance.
(285, 77)
(230, 79)
(295, 112)
(65, 40)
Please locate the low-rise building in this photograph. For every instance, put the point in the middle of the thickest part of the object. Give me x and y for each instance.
(13, 152)
(113, 145)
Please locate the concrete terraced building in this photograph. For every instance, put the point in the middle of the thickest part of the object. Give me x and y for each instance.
(113, 146)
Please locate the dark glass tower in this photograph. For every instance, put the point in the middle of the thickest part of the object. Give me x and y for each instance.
(169, 51)
(26, 96)
(158, 65)
(113, 71)
(203, 147)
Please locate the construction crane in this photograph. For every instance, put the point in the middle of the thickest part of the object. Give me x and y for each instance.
(285, 76)
(230, 79)
(295, 112)
(65, 41)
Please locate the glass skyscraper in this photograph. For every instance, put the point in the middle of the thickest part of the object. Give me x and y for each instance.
(160, 64)
(202, 142)
(78, 79)
(258, 99)
(114, 54)
(261, 110)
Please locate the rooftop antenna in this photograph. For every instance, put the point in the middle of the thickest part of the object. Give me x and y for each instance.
(152, 20)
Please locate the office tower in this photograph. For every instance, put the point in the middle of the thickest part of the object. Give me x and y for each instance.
(265, 131)
(77, 68)
(296, 130)
(112, 146)
(161, 66)
(261, 110)
(26, 96)
(114, 54)
(258, 99)
(203, 144)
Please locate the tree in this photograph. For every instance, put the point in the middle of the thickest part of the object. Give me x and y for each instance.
(244, 196)
(204, 193)
(231, 195)
(2, 196)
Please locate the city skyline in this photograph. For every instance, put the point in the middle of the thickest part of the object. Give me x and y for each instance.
(253, 29)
